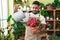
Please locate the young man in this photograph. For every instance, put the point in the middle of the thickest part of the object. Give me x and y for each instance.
(31, 33)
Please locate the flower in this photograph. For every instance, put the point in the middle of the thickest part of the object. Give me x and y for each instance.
(33, 22)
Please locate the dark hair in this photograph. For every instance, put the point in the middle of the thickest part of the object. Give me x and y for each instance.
(36, 2)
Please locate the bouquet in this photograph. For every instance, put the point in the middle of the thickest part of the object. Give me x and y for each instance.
(33, 22)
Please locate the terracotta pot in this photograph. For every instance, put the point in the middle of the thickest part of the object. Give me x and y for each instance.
(49, 7)
(57, 8)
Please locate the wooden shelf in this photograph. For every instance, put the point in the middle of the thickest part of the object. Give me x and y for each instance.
(49, 30)
(57, 8)
(49, 20)
(57, 30)
(57, 20)
(49, 10)
(54, 12)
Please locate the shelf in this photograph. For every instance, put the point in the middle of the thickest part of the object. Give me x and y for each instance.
(52, 20)
(54, 13)
(49, 20)
(49, 10)
(57, 8)
(57, 30)
(57, 20)
(49, 30)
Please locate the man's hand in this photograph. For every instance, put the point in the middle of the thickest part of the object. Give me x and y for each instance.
(34, 30)
(16, 7)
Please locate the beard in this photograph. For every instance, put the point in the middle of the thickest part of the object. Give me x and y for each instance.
(35, 12)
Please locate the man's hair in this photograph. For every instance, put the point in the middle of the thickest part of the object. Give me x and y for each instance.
(36, 2)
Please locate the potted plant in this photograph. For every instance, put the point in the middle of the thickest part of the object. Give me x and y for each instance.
(46, 16)
(51, 17)
(49, 6)
(58, 25)
(18, 28)
(57, 17)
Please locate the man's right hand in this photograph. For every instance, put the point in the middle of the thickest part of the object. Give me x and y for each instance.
(34, 30)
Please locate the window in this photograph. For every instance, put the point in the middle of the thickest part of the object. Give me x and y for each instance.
(3, 13)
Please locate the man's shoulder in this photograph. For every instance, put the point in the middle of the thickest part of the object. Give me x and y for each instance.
(41, 16)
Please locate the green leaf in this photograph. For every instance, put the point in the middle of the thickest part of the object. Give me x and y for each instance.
(42, 12)
(38, 23)
(9, 17)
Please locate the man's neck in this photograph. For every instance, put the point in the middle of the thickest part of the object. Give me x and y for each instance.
(36, 13)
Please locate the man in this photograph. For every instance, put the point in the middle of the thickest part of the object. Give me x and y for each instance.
(31, 33)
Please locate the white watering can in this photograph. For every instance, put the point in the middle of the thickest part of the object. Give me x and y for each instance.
(18, 16)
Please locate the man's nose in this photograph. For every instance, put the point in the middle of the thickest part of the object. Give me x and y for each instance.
(34, 9)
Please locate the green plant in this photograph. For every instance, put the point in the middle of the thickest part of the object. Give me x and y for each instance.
(55, 38)
(17, 30)
(56, 4)
(58, 25)
(42, 12)
(18, 2)
(9, 18)
(42, 5)
(1, 34)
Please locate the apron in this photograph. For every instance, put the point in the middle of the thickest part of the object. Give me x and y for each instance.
(28, 34)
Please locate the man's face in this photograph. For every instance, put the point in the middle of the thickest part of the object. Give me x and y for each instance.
(35, 8)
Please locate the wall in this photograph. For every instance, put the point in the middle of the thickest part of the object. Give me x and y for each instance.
(43, 1)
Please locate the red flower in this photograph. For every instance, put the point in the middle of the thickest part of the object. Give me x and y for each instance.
(32, 22)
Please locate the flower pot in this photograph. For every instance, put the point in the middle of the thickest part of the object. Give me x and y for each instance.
(49, 7)
(57, 8)
(47, 18)
(51, 18)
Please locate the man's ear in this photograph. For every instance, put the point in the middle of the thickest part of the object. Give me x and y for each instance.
(39, 7)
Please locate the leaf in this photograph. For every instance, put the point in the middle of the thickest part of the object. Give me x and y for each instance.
(38, 23)
(42, 12)
(9, 17)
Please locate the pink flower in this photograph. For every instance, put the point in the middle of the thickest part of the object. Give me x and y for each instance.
(32, 22)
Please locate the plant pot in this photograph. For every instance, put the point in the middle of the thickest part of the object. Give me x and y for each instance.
(57, 18)
(49, 7)
(47, 18)
(57, 8)
(51, 18)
